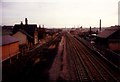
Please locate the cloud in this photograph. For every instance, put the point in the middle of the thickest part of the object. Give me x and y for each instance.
(59, 12)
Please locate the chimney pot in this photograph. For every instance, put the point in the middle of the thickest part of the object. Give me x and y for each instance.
(26, 21)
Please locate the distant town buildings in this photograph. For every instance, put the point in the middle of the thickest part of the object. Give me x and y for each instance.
(23, 37)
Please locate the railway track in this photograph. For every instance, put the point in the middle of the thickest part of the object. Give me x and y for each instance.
(112, 58)
(85, 64)
(79, 70)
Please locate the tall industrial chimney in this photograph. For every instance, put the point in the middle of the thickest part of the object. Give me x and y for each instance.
(26, 21)
(90, 30)
(100, 25)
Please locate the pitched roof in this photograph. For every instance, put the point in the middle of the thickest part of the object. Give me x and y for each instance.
(6, 30)
(7, 39)
(24, 32)
(108, 32)
(30, 28)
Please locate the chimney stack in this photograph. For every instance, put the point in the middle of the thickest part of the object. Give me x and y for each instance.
(26, 21)
(39, 26)
(21, 23)
(90, 30)
(100, 25)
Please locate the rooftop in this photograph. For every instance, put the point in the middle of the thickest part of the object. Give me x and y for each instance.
(7, 39)
(108, 31)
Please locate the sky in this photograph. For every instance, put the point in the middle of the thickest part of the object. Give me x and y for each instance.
(119, 13)
(60, 13)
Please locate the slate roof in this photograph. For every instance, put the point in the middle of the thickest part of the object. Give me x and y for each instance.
(108, 32)
(6, 30)
(7, 39)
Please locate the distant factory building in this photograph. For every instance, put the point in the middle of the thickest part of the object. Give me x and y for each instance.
(9, 47)
(110, 38)
(31, 29)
